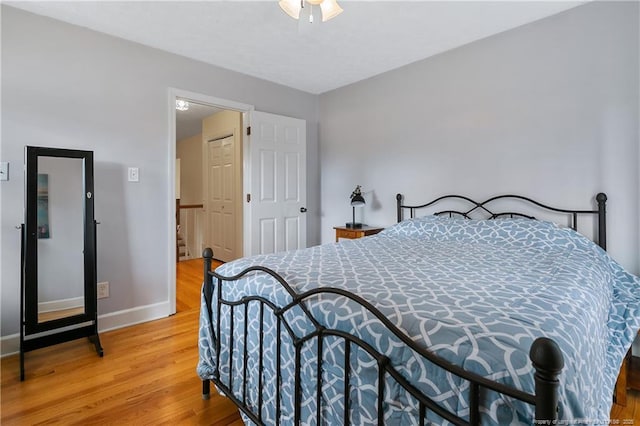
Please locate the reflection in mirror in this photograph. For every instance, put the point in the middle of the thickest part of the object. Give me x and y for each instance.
(60, 237)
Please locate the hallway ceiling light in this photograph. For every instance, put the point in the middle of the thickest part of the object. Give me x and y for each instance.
(330, 8)
(182, 105)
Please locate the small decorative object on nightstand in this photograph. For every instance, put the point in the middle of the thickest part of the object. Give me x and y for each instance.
(357, 200)
(351, 233)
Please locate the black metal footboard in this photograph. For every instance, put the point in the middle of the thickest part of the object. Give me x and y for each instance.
(253, 397)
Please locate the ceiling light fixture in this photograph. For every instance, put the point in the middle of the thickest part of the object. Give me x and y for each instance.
(330, 8)
(182, 105)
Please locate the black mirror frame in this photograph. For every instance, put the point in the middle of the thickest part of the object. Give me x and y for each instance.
(29, 258)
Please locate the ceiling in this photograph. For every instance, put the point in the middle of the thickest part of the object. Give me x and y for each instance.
(189, 122)
(258, 39)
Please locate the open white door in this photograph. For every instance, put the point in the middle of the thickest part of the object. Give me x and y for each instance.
(277, 190)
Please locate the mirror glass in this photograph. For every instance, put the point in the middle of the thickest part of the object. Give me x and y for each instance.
(60, 232)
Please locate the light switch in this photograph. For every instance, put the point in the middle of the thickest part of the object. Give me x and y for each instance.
(134, 174)
(4, 170)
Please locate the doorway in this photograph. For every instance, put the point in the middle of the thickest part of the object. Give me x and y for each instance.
(271, 169)
(189, 183)
(190, 131)
(194, 124)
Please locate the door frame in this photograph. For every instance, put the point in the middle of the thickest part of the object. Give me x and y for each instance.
(200, 98)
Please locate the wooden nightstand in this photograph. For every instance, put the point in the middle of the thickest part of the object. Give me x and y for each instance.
(629, 378)
(352, 233)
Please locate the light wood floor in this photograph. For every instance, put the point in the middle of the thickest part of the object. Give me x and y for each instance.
(189, 283)
(147, 376)
(63, 313)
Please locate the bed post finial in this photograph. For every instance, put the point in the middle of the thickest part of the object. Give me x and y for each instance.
(207, 255)
(602, 219)
(548, 362)
(399, 206)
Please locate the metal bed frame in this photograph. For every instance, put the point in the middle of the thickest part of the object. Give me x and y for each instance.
(545, 355)
(483, 208)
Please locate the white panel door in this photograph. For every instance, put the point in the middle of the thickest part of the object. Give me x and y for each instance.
(220, 201)
(278, 183)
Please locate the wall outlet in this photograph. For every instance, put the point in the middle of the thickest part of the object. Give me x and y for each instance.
(103, 290)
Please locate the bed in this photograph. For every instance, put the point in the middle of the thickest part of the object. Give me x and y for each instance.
(439, 319)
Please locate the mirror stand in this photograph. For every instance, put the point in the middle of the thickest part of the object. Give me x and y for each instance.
(58, 298)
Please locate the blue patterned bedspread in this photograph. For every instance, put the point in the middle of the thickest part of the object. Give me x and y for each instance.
(477, 293)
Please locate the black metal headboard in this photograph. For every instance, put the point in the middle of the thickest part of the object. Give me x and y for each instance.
(483, 207)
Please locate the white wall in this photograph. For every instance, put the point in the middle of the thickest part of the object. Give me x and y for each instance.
(548, 110)
(189, 151)
(66, 86)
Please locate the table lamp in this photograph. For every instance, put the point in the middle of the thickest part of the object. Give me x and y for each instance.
(356, 200)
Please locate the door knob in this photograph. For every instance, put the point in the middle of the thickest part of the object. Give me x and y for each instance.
(303, 209)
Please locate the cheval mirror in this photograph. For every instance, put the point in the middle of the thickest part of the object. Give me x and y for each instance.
(59, 295)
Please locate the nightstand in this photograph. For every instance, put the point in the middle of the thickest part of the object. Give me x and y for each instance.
(353, 233)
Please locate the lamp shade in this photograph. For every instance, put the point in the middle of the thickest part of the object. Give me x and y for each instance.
(291, 7)
(356, 197)
(330, 9)
(357, 200)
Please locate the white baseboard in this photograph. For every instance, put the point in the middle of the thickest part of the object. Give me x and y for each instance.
(133, 316)
(60, 305)
(10, 345)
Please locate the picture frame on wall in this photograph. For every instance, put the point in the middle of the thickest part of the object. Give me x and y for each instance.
(43, 206)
